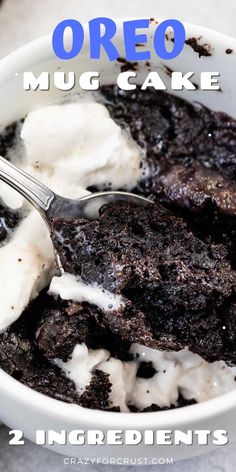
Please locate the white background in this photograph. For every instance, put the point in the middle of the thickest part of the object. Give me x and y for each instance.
(24, 20)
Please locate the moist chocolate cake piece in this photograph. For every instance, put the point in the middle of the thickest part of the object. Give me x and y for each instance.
(175, 287)
(96, 395)
(20, 357)
(196, 188)
(7, 139)
(191, 154)
(183, 144)
(60, 329)
(50, 380)
(170, 127)
(23, 359)
(16, 353)
(66, 324)
(17, 349)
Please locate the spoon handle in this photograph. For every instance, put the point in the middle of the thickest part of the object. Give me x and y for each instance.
(36, 193)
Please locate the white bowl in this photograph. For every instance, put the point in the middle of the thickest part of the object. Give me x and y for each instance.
(24, 409)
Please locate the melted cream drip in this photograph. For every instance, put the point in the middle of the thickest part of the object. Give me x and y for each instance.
(70, 287)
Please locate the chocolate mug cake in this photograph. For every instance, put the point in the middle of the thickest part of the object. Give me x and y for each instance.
(143, 318)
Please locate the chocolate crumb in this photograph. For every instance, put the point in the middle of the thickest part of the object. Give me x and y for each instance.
(203, 50)
(169, 37)
(96, 395)
(127, 65)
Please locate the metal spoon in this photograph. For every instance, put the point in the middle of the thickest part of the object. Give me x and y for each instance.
(50, 205)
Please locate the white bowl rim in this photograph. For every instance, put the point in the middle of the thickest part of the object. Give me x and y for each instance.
(37, 45)
(20, 393)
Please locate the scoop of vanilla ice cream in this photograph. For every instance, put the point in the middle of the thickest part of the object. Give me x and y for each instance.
(26, 266)
(73, 146)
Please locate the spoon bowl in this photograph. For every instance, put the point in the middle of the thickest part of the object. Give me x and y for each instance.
(88, 207)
